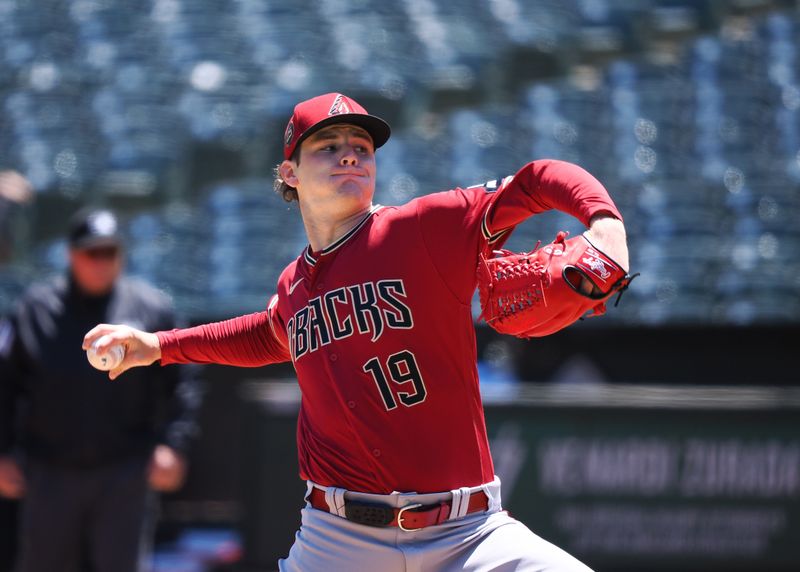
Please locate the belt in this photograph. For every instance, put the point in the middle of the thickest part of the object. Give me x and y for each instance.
(408, 518)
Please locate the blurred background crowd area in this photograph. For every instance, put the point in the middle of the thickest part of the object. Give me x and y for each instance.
(172, 112)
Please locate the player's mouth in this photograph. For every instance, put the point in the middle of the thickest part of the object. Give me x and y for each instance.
(359, 174)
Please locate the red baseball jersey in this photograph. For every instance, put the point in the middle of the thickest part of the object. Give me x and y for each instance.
(379, 328)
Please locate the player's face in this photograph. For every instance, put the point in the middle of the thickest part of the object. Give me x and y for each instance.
(336, 164)
(96, 269)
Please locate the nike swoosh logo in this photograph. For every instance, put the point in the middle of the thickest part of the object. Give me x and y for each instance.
(293, 286)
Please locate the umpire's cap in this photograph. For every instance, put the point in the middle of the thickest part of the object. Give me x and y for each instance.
(93, 227)
(313, 114)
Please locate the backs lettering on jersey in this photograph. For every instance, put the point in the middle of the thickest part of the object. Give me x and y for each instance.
(357, 309)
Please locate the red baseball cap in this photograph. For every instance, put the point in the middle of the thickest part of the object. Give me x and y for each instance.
(313, 114)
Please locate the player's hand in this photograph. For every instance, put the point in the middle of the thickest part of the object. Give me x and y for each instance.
(608, 234)
(141, 348)
(12, 480)
(167, 469)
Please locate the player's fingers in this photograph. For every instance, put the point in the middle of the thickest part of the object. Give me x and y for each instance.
(128, 362)
(141, 349)
(586, 287)
(120, 369)
(98, 331)
(108, 336)
(582, 284)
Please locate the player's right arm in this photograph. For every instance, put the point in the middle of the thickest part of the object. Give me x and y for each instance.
(251, 340)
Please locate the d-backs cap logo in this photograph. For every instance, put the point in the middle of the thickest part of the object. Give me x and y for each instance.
(287, 137)
(339, 106)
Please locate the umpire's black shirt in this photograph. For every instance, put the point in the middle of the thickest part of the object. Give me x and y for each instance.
(57, 409)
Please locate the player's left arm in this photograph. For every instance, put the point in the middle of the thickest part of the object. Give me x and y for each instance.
(551, 184)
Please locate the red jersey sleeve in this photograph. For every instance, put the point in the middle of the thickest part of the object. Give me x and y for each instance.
(458, 225)
(251, 340)
(544, 185)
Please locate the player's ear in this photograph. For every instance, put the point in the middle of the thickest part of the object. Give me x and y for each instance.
(287, 172)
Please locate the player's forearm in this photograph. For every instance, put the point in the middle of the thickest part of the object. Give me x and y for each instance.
(608, 233)
(550, 184)
(246, 341)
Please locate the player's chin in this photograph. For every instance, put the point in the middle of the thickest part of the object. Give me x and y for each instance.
(355, 186)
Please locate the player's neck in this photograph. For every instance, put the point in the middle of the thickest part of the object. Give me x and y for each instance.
(323, 229)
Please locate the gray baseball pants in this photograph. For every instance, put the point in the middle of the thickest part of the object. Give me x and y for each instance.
(481, 542)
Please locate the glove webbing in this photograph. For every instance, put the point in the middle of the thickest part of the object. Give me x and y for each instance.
(526, 270)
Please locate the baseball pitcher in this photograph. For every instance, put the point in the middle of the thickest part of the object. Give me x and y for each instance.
(375, 315)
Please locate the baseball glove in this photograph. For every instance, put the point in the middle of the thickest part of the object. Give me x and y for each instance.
(537, 293)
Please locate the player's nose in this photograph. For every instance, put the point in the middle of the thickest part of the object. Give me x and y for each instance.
(349, 157)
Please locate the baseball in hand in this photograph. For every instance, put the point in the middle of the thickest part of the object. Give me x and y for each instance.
(109, 360)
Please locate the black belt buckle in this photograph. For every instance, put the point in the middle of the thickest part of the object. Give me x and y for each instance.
(368, 513)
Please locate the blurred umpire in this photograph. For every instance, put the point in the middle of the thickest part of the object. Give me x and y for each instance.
(82, 453)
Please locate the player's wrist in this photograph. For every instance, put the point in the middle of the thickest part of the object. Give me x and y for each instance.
(607, 233)
(606, 220)
(153, 343)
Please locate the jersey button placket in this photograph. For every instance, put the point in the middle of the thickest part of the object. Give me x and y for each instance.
(376, 452)
(333, 357)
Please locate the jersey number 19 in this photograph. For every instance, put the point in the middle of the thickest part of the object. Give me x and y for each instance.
(402, 368)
